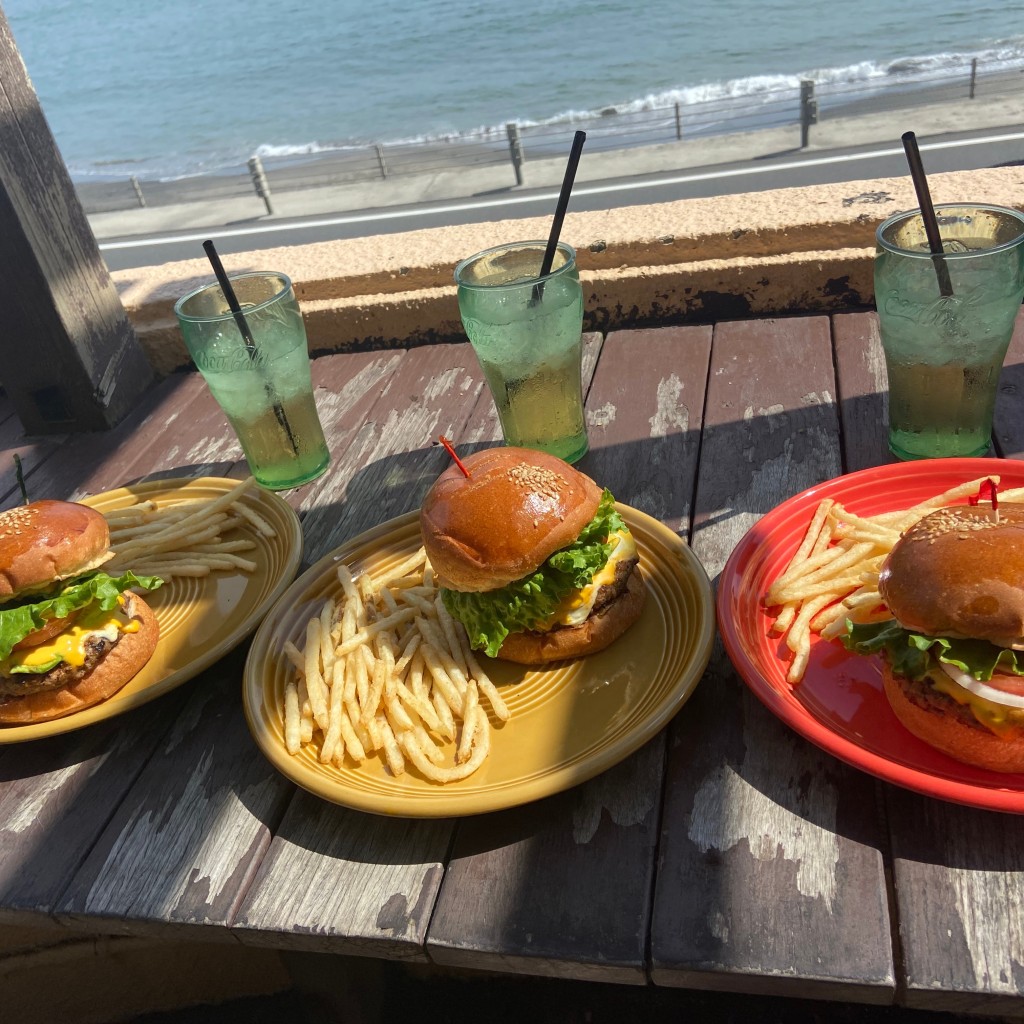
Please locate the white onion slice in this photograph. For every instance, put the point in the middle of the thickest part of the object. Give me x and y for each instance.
(980, 689)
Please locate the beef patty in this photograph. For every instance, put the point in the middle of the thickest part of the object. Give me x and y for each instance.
(24, 683)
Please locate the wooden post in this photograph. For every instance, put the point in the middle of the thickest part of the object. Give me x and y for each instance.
(380, 160)
(679, 123)
(138, 190)
(974, 77)
(515, 149)
(808, 111)
(71, 360)
(260, 183)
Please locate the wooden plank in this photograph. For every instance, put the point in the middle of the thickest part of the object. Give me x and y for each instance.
(1008, 422)
(186, 840)
(56, 797)
(392, 456)
(958, 875)
(383, 872)
(74, 362)
(338, 881)
(346, 387)
(863, 390)
(565, 883)
(81, 771)
(208, 847)
(770, 876)
(956, 870)
(143, 442)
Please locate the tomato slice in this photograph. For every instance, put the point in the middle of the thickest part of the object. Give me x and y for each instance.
(1007, 683)
(51, 629)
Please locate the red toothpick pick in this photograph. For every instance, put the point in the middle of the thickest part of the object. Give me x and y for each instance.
(987, 492)
(451, 451)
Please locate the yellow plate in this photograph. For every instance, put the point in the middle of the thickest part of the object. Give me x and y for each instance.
(568, 722)
(200, 619)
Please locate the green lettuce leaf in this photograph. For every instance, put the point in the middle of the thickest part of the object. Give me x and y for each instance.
(19, 619)
(489, 617)
(909, 653)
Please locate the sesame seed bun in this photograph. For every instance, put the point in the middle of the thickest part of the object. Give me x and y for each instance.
(515, 509)
(48, 541)
(960, 572)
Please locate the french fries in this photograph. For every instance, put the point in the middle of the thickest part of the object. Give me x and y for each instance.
(185, 538)
(833, 575)
(385, 671)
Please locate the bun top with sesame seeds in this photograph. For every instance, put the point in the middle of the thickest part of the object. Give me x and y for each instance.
(48, 541)
(515, 509)
(960, 572)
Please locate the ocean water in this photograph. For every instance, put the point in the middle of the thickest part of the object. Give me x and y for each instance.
(191, 87)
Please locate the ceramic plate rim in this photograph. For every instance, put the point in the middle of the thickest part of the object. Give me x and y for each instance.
(751, 552)
(291, 548)
(451, 803)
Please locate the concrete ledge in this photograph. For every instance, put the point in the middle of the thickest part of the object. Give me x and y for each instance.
(798, 250)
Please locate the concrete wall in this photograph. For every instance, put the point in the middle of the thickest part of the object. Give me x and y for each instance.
(795, 250)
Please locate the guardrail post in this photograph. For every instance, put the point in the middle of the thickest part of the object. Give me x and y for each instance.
(138, 190)
(515, 149)
(259, 182)
(808, 111)
(974, 77)
(679, 124)
(379, 150)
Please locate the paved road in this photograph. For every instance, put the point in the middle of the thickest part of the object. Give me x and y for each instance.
(962, 151)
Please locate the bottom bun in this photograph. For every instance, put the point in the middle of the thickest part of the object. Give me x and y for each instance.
(593, 635)
(951, 727)
(111, 673)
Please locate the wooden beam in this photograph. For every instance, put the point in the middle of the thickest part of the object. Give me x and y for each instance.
(70, 358)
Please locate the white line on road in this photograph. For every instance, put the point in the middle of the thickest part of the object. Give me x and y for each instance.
(579, 190)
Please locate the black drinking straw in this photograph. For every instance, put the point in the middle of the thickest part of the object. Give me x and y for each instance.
(924, 201)
(563, 202)
(243, 327)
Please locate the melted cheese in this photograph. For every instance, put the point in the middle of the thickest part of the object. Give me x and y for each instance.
(69, 645)
(996, 716)
(578, 605)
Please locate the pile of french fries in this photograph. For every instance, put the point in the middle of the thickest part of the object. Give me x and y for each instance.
(386, 670)
(185, 538)
(833, 575)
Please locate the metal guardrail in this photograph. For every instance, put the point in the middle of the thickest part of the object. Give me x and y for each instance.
(516, 145)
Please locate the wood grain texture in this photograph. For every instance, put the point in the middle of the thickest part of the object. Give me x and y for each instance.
(382, 874)
(863, 390)
(566, 881)
(391, 457)
(1008, 422)
(771, 877)
(184, 843)
(56, 797)
(144, 442)
(74, 362)
(339, 881)
(959, 882)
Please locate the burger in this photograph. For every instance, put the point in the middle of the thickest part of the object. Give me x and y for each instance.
(71, 635)
(531, 556)
(954, 651)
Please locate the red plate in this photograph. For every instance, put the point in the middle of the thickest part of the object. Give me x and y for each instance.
(840, 704)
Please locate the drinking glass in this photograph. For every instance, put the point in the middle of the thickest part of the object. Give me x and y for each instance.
(946, 323)
(264, 388)
(526, 332)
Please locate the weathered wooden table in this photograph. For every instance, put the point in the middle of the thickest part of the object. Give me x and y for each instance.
(728, 853)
